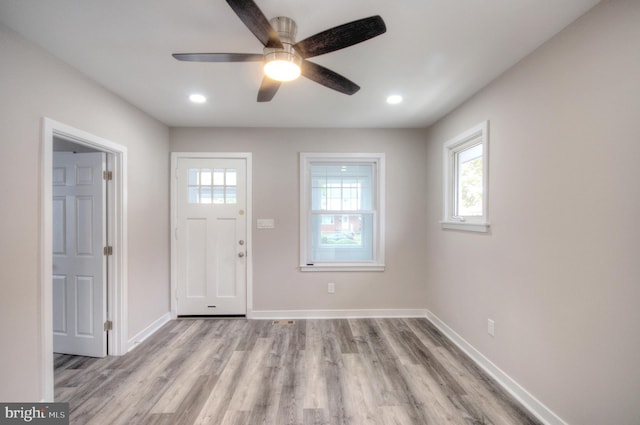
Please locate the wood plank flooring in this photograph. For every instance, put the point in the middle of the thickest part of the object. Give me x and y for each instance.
(311, 372)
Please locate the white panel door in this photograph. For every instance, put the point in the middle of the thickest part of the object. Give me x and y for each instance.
(79, 234)
(211, 236)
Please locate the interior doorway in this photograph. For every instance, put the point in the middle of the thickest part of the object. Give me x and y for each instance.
(58, 137)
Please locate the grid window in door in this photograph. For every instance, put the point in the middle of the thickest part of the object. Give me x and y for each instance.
(212, 186)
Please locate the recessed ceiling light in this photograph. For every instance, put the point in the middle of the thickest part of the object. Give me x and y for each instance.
(394, 99)
(197, 98)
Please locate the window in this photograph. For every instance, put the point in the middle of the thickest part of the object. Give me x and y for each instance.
(212, 186)
(466, 180)
(341, 212)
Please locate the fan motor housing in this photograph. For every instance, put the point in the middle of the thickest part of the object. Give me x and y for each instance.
(286, 29)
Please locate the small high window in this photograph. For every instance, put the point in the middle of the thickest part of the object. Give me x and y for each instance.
(466, 183)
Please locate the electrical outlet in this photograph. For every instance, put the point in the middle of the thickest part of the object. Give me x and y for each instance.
(491, 327)
(331, 288)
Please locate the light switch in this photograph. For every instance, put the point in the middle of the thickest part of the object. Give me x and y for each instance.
(266, 223)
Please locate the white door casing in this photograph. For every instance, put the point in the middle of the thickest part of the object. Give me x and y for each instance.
(210, 235)
(118, 343)
(79, 263)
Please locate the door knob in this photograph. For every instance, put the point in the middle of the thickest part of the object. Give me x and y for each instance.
(241, 254)
(241, 242)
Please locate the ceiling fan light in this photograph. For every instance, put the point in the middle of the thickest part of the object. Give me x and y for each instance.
(197, 98)
(394, 99)
(282, 70)
(282, 66)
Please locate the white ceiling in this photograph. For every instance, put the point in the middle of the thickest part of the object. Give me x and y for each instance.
(435, 53)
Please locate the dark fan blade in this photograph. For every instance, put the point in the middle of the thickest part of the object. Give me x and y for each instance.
(268, 89)
(251, 15)
(219, 57)
(328, 78)
(340, 37)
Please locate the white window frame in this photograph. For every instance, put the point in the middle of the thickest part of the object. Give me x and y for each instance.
(378, 262)
(478, 134)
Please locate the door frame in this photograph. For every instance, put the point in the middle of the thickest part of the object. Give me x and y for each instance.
(116, 234)
(175, 156)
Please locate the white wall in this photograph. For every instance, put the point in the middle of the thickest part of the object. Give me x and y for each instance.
(560, 271)
(278, 284)
(33, 84)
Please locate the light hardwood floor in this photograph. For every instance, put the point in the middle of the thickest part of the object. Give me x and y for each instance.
(237, 371)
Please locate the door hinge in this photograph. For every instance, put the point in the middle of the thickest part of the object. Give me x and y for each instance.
(108, 325)
(107, 175)
(108, 250)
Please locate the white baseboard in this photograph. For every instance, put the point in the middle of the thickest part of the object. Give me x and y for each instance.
(333, 314)
(542, 412)
(148, 331)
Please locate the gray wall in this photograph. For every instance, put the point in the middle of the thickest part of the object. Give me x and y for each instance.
(278, 284)
(33, 84)
(559, 272)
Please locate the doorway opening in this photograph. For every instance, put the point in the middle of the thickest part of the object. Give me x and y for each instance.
(58, 137)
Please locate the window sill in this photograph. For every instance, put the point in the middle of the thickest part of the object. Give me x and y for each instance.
(469, 227)
(342, 268)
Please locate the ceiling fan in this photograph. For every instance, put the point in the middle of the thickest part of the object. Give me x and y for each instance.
(284, 58)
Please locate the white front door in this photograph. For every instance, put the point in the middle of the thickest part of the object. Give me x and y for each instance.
(211, 236)
(79, 232)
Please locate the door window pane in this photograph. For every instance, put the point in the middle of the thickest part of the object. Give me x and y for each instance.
(230, 195)
(205, 195)
(212, 186)
(230, 177)
(194, 177)
(218, 194)
(218, 177)
(194, 195)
